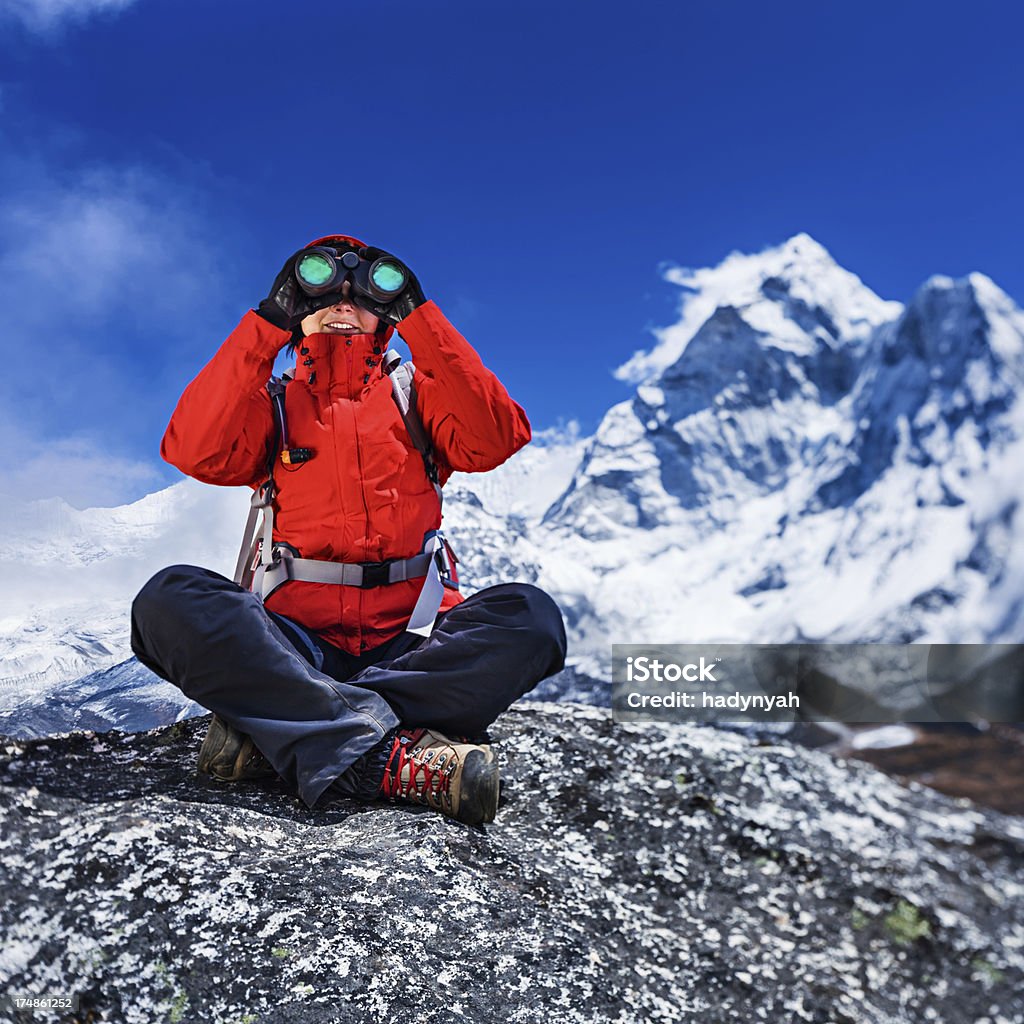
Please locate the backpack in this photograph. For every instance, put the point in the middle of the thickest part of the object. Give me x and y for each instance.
(278, 563)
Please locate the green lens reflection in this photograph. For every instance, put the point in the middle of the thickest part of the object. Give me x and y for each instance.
(315, 269)
(389, 277)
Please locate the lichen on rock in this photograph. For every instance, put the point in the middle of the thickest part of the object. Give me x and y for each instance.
(634, 873)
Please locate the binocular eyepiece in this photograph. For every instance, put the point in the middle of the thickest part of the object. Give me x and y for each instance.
(323, 269)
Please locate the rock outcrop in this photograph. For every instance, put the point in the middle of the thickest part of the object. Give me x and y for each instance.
(634, 873)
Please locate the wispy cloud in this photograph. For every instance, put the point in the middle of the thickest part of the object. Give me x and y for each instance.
(108, 286)
(112, 240)
(47, 15)
(78, 468)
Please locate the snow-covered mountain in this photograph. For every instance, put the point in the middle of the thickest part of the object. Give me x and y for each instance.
(800, 460)
(69, 577)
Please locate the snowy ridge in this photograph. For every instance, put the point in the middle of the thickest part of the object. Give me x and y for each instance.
(529, 483)
(802, 460)
(746, 281)
(848, 489)
(72, 574)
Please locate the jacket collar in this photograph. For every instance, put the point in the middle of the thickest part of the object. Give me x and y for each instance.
(338, 365)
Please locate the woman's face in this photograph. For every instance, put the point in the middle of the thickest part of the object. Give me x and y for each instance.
(344, 317)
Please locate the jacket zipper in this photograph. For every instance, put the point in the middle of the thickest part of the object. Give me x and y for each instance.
(362, 489)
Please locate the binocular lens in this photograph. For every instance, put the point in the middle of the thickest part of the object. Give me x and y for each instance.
(320, 271)
(315, 269)
(388, 276)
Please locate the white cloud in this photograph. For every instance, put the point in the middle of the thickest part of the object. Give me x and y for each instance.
(109, 241)
(109, 286)
(47, 15)
(77, 468)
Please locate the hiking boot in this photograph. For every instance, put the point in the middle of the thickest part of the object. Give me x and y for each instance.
(457, 779)
(231, 756)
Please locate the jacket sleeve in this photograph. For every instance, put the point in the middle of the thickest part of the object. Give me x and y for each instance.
(473, 423)
(223, 423)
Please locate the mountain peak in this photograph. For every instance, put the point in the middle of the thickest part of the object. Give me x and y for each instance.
(968, 308)
(765, 287)
(800, 249)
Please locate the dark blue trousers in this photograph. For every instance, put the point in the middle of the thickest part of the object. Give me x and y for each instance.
(313, 709)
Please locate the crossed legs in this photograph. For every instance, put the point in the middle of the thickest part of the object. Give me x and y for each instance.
(314, 710)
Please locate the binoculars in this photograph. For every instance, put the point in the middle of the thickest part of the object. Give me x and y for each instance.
(322, 269)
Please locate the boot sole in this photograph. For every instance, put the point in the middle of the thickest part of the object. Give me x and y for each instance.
(478, 789)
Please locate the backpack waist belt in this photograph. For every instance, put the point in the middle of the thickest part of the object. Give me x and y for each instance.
(348, 574)
(433, 565)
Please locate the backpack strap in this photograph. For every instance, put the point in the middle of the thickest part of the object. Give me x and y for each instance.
(263, 499)
(403, 389)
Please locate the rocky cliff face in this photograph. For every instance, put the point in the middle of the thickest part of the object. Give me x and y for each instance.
(633, 874)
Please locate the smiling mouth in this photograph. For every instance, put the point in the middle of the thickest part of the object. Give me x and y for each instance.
(341, 325)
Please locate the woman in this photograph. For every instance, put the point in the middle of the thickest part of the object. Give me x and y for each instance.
(356, 668)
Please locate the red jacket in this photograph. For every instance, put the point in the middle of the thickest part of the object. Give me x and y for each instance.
(365, 495)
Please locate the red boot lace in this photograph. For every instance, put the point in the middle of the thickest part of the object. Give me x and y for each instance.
(403, 752)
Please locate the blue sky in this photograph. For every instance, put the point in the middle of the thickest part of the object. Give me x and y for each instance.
(538, 166)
